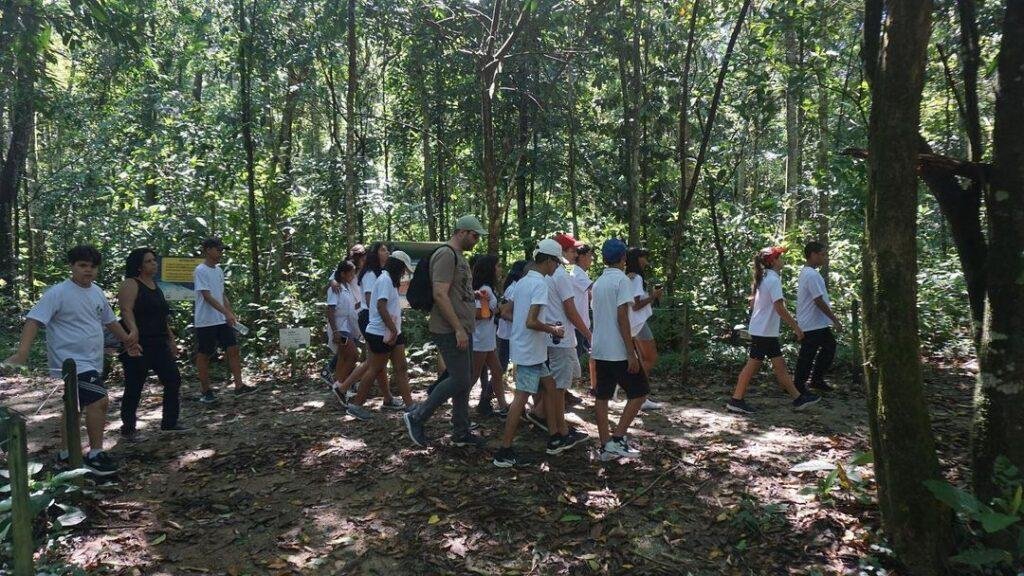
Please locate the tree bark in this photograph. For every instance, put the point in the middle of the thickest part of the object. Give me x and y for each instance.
(350, 126)
(629, 86)
(917, 524)
(245, 97)
(999, 392)
(792, 195)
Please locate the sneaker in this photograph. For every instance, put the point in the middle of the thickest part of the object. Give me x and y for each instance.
(485, 410)
(327, 376)
(805, 400)
(100, 464)
(474, 426)
(556, 445)
(572, 399)
(505, 458)
(358, 411)
(471, 440)
(131, 435)
(574, 437)
(618, 448)
(244, 389)
(651, 405)
(501, 412)
(343, 398)
(394, 404)
(415, 430)
(350, 394)
(176, 429)
(536, 421)
(739, 406)
(822, 386)
(208, 397)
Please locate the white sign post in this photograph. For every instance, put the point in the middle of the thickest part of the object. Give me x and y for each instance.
(291, 339)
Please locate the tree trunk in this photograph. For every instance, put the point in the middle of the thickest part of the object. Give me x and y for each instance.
(792, 195)
(824, 179)
(22, 121)
(350, 126)
(723, 267)
(571, 160)
(487, 86)
(629, 88)
(999, 392)
(916, 523)
(245, 88)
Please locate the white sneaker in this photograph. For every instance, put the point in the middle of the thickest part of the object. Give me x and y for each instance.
(395, 404)
(350, 394)
(651, 405)
(615, 449)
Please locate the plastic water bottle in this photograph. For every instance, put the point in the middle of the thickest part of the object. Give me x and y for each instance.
(241, 328)
(555, 339)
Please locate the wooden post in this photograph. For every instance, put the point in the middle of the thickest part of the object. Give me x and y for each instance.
(21, 513)
(858, 355)
(72, 431)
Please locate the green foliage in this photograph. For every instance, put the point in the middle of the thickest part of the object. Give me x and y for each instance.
(846, 479)
(48, 493)
(1000, 542)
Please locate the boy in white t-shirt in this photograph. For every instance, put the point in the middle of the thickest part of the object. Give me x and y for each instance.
(529, 348)
(214, 321)
(767, 309)
(815, 317)
(616, 360)
(75, 312)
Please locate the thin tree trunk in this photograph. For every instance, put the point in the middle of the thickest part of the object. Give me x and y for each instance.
(723, 267)
(999, 391)
(350, 126)
(792, 195)
(571, 161)
(629, 88)
(245, 88)
(916, 523)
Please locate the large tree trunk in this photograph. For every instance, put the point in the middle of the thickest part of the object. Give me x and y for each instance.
(917, 524)
(350, 127)
(245, 87)
(999, 392)
(22, 125)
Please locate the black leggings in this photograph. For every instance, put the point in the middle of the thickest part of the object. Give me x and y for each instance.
(156, 357)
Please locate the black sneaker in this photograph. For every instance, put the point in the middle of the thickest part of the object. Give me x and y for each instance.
(572, 399)
(573, 438)
(474, 425)
(501, 412)
(339, 395)
(505, 458)
(739, 406)
(536, 420)
(805, 400)
(471, 440)
(245, 389)
(208, 397)
(485, 410)
(100, 464)
(175, 429)
(822, 386)
(130, 435)
(358, 412)
(556, 445)
(415, 430)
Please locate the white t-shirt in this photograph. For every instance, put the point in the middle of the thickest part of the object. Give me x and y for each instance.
(637, 318)
(366, 285)
(74, 318)
(357, 294)
(764, 320)
(484, 330)
(211, 279)
(345, 318)
(528, 347)
(810, 285)
(559, 290)
(581, 292)
(383, 289)
(504, 326)
(611, 290)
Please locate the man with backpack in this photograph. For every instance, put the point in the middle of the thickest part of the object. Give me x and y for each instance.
(445, 288)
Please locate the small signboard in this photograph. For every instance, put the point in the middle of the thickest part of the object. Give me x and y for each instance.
(175, 276)
(293, 338)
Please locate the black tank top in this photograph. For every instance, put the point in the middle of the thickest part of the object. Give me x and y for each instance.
(151, 311)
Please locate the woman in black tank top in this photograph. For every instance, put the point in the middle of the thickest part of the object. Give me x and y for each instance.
(144, 311)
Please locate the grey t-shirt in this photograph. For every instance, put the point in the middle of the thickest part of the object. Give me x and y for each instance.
(450, 267)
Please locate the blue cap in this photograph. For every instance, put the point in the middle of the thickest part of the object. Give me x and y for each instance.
(613, 250)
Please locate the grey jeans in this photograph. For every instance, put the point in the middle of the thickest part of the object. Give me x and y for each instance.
(456, 386)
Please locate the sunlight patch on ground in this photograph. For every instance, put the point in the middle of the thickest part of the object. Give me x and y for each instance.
(341, 444)
(191, 457)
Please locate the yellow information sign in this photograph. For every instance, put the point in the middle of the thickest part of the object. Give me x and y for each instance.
(178, 270)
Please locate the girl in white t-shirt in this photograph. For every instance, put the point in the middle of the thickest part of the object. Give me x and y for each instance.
(486, 270)
(384, 337)
(767, 308)
(342, 322)
(640, 314)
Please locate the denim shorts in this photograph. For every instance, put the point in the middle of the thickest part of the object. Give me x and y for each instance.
(528, 377)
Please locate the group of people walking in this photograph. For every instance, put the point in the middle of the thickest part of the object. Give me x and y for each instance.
(544, 319)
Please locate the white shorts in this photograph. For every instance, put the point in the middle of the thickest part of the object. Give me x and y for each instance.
(565, 366)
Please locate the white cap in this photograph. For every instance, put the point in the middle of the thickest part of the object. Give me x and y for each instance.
(398, 254)
(551, 248)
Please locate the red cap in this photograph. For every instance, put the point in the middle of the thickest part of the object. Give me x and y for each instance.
(567, 241)
(771, 253)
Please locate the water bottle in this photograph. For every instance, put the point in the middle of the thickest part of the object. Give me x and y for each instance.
(555, 339)
(241, 328)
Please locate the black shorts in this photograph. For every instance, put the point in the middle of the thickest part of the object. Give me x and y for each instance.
(765, 347)
(377, 345)
(364, 320)
(208, 338)
(616, 373)
(90, 388)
